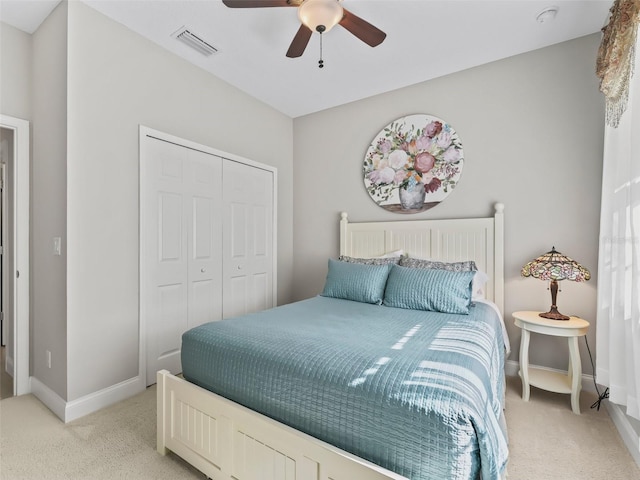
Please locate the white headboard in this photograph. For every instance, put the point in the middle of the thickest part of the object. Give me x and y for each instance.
(451, 240)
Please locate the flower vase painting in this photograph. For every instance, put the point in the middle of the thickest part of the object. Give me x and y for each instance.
(413, 164)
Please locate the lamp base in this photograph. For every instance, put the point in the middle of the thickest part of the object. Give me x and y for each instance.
(554, 314)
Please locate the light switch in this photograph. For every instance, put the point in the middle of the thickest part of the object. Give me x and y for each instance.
(57, 246)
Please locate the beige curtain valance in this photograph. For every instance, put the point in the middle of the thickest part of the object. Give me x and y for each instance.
(616, 55)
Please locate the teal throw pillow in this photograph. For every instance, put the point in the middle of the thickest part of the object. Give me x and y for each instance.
(355, 281)
(429, 289)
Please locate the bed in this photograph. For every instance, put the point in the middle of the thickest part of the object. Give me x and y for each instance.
(353, 404)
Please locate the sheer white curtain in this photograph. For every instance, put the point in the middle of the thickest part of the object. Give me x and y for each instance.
(618, 319)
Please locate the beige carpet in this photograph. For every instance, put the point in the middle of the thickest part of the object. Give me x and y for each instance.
(547, 441)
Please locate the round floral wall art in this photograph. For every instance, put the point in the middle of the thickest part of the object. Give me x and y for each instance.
(413, 164)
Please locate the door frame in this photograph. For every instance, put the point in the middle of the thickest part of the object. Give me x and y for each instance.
(19, 239)
(4, 271)
(143, 190)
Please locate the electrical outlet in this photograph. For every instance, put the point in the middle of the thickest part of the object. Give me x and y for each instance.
(48, 359)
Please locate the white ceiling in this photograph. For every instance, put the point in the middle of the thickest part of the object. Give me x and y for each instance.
(425, 39)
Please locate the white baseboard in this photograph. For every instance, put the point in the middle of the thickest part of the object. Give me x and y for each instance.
(630, 436)
(51, 399)
(103, 398)
(69, 411)
(512, 368)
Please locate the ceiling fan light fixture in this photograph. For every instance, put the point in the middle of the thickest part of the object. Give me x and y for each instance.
(547, 15)
(320, 13)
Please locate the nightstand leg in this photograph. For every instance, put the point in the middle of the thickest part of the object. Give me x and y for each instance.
(575, 374)
(524, 364)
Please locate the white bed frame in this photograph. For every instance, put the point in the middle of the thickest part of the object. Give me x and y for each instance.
(227, 441)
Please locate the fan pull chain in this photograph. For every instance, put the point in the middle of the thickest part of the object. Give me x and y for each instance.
(320, 29)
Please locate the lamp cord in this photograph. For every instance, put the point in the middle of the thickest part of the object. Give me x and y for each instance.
(603, 395)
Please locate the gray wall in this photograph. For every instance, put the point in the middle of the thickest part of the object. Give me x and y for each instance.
(87, 83)
(532, 129)
(48, 293)
(117, 81)
(15, 72)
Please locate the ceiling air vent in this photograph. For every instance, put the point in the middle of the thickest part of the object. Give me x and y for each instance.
(194, 41)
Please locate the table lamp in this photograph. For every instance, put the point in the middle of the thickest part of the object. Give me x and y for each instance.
(554, 266)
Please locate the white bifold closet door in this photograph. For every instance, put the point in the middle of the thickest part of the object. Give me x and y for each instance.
(183, 248)
(248, 274)
(207, 245)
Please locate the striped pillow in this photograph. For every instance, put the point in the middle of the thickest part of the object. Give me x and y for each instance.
(428, 289)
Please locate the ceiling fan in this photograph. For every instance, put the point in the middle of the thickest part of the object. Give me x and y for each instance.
(318, 15)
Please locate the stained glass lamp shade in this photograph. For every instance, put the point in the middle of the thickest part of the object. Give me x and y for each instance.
(554, 266)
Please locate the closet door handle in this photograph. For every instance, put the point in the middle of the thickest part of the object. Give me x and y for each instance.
(203, 270)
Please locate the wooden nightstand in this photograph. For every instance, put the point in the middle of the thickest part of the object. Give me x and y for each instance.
(546, 379)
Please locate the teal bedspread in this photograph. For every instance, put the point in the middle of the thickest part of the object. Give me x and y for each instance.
(416, 392)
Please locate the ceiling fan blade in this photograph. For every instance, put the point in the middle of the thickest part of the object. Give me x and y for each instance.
(260, 3)
(362, 29)
(299, 42)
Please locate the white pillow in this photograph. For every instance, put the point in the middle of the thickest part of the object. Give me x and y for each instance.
(477, 286)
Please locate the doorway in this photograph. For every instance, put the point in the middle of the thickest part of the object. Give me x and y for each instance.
(6, 373)
(14, 150)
